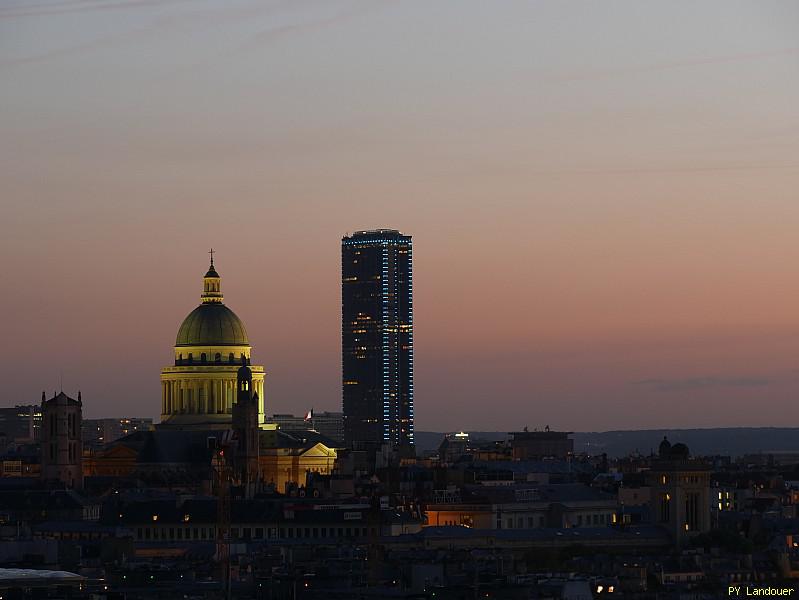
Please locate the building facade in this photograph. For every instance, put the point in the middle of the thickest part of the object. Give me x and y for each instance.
(199, 390)
(522, 507)
(377, 338)
(61, 446)
(679, 492)
(535, 445)
(21, 422)
(97, 432)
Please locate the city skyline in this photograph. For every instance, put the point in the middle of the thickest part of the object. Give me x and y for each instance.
(602, 199)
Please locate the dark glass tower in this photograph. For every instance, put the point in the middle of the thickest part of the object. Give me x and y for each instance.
(377, 338)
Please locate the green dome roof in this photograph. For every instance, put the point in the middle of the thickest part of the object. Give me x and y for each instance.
(212, 324)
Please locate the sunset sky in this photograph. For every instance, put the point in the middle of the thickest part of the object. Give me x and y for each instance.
(603, 196)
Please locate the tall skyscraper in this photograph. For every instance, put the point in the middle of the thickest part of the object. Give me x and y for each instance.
(377, 338)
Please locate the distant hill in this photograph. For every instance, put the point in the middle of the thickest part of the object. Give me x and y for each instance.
(732, 441)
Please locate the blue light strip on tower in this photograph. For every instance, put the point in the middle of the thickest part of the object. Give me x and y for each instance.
(386, 367)
(410, 341)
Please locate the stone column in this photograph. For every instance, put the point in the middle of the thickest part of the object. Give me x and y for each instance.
(212, 397)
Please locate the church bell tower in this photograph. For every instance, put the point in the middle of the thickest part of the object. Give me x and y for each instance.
(245, 430)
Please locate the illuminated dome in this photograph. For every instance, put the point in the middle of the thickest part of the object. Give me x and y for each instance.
(199, 389)
(212, 324)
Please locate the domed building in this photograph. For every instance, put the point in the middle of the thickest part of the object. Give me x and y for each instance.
(199, 391)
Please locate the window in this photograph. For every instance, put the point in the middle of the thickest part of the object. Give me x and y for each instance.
(230, 358)
(202, 358)
(665, 508)
(218, 357)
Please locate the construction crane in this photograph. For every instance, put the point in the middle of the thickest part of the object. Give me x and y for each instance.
(223, 477)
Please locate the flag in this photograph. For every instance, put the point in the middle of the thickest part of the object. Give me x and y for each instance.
(309, 415)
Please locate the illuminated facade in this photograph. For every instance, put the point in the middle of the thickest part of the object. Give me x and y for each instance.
(377, 338)
(199, 391)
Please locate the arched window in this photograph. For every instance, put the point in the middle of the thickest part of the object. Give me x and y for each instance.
(243, 359)
(218, 357)
(191, 358)
(202, 358)
(230, 358)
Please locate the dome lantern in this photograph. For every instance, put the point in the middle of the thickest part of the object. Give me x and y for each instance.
(212, 285)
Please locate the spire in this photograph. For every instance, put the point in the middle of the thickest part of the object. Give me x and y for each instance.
(212, 288)
(44, 398)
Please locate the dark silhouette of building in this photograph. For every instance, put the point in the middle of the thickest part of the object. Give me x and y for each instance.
(21, 422)
(62, 448)
(680, 491)
(377, 338)
(246, 431)
(541, 444)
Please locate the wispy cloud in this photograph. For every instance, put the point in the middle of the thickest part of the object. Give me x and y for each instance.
(271, 33)
(696, 383)
(699, 61)
(58, 8)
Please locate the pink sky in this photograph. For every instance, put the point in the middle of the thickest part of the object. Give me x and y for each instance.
(603, 198)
